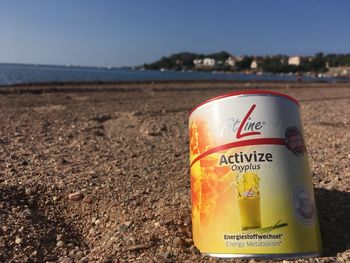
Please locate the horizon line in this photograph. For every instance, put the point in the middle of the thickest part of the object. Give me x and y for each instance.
(210, 53)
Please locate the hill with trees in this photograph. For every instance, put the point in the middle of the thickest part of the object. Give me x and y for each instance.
(318, 63)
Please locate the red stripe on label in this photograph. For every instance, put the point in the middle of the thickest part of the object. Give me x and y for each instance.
(274, 141)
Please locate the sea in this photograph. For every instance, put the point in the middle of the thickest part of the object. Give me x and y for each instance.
(12, 74)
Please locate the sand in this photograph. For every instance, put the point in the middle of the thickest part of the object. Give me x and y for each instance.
(100, 173)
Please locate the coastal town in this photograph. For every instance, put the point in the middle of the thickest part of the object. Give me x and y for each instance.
(318, 65)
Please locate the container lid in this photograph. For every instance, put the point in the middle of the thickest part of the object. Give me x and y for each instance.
(247, 92)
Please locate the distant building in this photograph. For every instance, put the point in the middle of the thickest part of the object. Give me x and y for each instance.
(198, 62)
(339, 72)
(295, 60)
(209, 62)
(284, 61)
(231, 61)
(254, 64)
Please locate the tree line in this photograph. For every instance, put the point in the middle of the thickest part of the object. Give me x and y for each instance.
(272, 64)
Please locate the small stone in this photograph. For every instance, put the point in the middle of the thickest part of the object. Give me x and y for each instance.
(329, 186)
(66, 260)
(136, 113)
(59, 244)
(64, 161)
(92, 231)
(128, 223)
(87, 200)
(153, 133)
(79, 254)
(156, 224)
(164, 128)
(177, 242)
(28, 212)
(29, 191)
(61, 184)
(50, 258)
(187, 221)
(167, 255)
(340, 260)
(97, 222)
(188, 240)
(99, 133)
(84, 260)
(18, 240)
(103, 117)
(77, 196)
(125, 226)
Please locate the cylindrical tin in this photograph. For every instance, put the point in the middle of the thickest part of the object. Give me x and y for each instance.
(252, 192)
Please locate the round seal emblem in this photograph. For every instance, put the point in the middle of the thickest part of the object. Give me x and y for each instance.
(304, 206)
(294, 140)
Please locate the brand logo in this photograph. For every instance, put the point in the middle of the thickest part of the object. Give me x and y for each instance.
(245, 127)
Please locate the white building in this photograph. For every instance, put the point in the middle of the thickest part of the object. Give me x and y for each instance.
(231, 61)
(254, 64)
(339, 72)
(295, 60)
(198, 62)
(209, 62)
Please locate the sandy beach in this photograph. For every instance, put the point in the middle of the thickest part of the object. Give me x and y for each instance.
(100, 172)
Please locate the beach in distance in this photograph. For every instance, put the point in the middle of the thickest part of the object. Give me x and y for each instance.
(100, 172)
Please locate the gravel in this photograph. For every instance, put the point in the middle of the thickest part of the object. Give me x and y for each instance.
(103, 176)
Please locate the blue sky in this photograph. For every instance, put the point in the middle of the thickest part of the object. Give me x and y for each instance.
(131, 32)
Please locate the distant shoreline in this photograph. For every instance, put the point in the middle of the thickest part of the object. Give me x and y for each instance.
(126, 82)
(156, 86)
(14, 75)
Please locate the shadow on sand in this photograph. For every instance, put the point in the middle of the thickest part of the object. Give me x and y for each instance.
(39, 231)
(334, 214)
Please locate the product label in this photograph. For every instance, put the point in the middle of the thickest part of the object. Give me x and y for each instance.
(250, 181)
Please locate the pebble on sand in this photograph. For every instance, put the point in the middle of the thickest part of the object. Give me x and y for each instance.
(79, 254)
(59, 244)
(77, 196)
(66, 260)
(177, 242)
(29, 191)
(18, 240)
(88, 200)
(103, 117)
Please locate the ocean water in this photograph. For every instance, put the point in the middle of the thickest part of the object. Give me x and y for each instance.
(11, 74)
